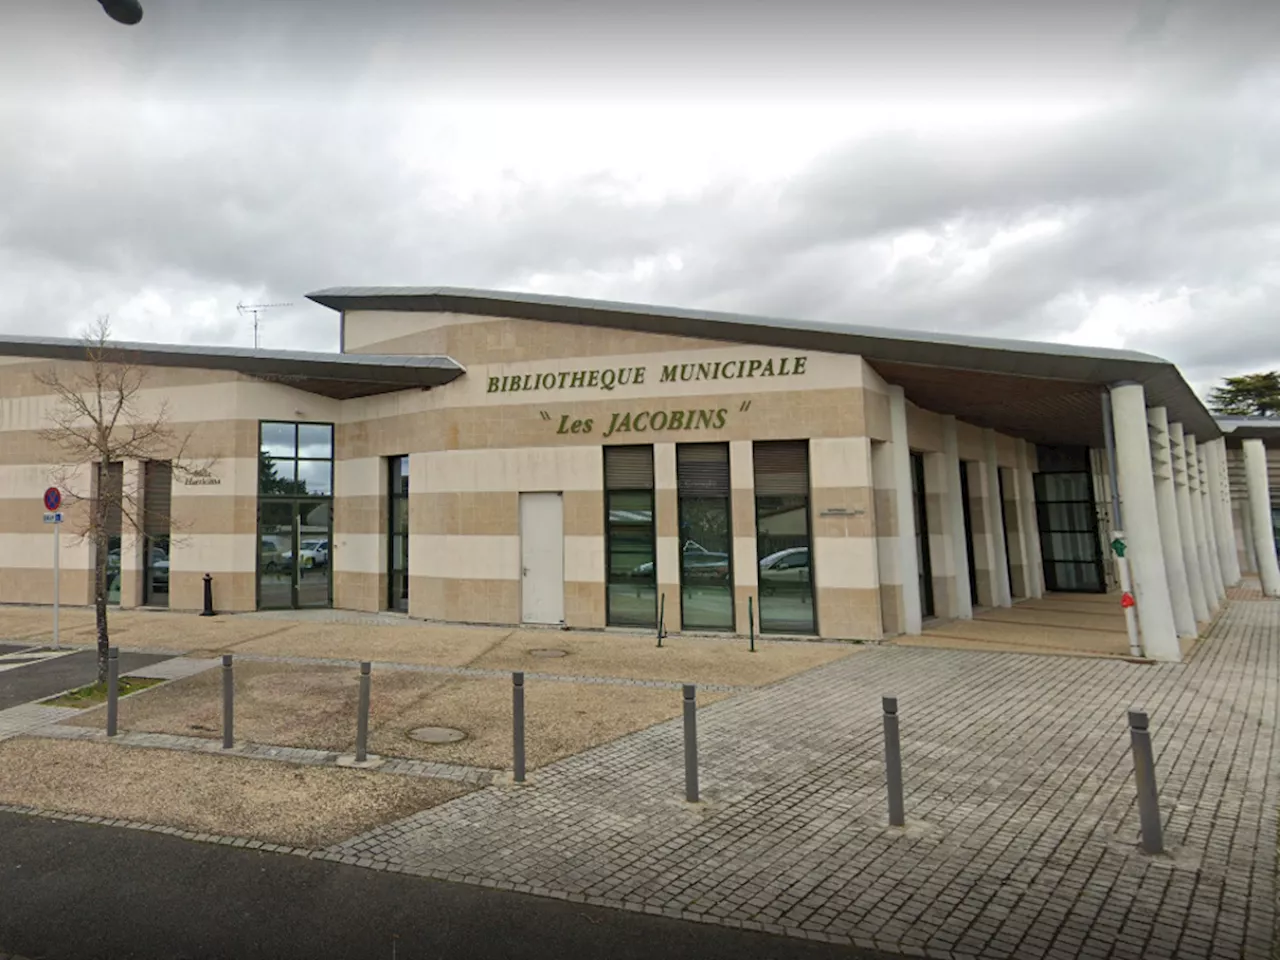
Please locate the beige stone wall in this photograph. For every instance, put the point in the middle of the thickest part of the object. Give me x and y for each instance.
(538, 403)
(214, 417)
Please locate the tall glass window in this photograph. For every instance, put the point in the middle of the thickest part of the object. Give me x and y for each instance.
(398, 534)
(629, 537)
(295, 514)
(924, 562)
(706, 581)
(783, 536)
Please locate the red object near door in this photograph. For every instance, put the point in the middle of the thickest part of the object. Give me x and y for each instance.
(1127, 601)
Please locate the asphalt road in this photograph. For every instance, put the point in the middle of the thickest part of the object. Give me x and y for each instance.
(47, 677)
(77, 891)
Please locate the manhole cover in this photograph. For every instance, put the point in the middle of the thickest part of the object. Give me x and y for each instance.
(437, 734)
(548, 653)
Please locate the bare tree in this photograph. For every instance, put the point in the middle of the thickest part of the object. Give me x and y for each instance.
(102, 417)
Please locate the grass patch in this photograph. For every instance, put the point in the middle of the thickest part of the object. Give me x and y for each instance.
(96, 693)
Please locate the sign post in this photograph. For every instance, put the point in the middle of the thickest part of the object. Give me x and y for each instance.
(52, 501)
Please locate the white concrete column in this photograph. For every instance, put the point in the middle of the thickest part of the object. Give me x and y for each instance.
(1000, 588)
(1142, 523)
(1255, 471)
(1184, 617)
(1186, 525)
(1224, 527)
(908, 560)
(1216, 590)
(1246, 534)
(955, 520)
(1030, 522)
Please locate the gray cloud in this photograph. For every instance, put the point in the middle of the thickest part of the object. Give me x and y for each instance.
(247, 152)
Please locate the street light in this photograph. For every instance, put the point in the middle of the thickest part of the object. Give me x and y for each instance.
(123, 11)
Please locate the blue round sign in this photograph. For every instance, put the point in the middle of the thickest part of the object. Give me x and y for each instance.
(52, 499)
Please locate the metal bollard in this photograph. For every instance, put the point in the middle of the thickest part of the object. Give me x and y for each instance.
(113, 689)
(662, 616)
(893, 762)
(691, 743)
(362, 714)
(228, 704)
(751, 623)
(517, 726)
(1144, 775)
(208, 596)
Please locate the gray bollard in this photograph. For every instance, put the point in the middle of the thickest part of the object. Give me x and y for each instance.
(691, 743)
(113, 689)
(1144, 775)
(517, 726)
(228, 704)
(893, 762)
(362, 714)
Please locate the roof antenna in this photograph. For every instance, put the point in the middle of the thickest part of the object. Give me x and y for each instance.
(253, 308)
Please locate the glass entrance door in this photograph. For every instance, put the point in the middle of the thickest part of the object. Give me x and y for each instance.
(1069, 532)
(293, 554)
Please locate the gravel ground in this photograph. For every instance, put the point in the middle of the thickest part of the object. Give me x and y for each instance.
(681, 659)
(273, 802)
(591, 653)
(137, 630)
(411, 643)
(306, 706)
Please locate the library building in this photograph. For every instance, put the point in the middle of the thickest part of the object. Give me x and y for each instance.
(482, 457)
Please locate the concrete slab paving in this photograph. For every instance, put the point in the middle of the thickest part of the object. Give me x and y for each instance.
(1022, 827)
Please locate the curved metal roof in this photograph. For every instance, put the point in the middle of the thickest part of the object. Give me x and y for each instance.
(1062, 381)
(339, 375)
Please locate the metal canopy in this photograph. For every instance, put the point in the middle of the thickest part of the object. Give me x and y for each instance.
(1045, 392)
(1237, 429)
(337, 375)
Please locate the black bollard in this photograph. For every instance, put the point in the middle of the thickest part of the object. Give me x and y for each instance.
(208, 596)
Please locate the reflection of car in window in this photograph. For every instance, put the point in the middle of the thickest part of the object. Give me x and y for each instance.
(785, 567)
(313, 553)
(270, 555)
(698, 562)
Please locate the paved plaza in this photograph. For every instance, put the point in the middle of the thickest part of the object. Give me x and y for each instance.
(1022, 825)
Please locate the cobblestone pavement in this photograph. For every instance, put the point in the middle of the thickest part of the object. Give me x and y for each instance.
(1022, 826)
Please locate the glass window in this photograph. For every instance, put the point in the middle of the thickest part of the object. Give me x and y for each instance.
(296, 460)
(295, 487)
(315, 441)
(315, 477)
(279, 439)
(632, 588)
(706, 583)
(782, 537)
(398, 533)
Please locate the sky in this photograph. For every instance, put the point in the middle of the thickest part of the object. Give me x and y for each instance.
(1087, 173)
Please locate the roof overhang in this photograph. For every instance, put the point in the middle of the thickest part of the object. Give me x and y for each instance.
(340, 376)
(1044, 392)
(1236, 429)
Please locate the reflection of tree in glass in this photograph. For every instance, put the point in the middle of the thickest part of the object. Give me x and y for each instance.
(270, 483)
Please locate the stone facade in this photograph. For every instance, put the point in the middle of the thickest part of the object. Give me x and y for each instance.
(536, 407)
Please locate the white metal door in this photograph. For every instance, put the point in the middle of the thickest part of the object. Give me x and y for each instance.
(542, 557)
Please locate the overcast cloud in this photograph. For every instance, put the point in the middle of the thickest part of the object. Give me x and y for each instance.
(1088, 173)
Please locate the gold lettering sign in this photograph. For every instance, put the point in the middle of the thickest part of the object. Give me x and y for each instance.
(610, 378)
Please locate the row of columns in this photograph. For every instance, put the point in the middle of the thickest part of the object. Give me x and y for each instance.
(996, 547)
(1177, 524)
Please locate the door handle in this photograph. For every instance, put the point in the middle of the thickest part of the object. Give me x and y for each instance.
(524, 571)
